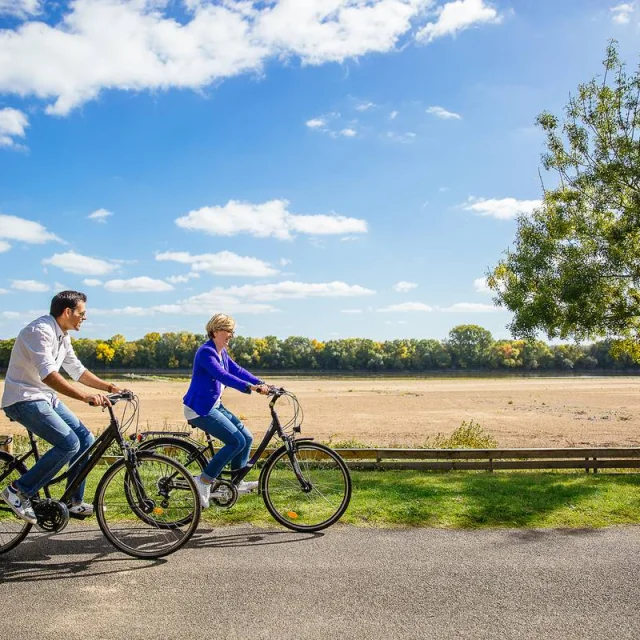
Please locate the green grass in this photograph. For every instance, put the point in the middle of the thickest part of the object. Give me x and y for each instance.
(470, 500)
(464, 500)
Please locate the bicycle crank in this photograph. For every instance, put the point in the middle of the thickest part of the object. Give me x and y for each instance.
(223, 494)
(52, 516)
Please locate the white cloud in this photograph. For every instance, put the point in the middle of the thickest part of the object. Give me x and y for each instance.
(29, 285)
(470, 307)
(14, 228)
(73, 262)
(441, 112)
(224, 263)
(622, 13)
(283, 262)
(404, 138)
(142, 284)
(270, 219)
(4, 246)
(19, 8)
(406, 306)
(457, 16)
(350, 310)
(403, 286)
(292, 290)
(503, 209)
(92, 282)
(481, 286)
(393, 115)
(182, 278)
(12, 125)
(10, 315)
(348, 133)
(138, 45)
(100, 215)
(316, 123)
(365, 106)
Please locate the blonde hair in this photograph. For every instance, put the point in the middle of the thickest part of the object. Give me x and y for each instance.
(220, 322)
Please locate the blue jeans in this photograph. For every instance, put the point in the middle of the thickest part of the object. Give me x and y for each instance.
(223, 425)
(60, 428)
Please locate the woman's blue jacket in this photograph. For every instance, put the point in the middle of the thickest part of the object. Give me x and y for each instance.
(210, 371)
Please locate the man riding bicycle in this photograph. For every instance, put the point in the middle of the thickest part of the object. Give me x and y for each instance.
(30, 398)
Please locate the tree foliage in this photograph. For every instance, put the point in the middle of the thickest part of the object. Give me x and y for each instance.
(467, 347)
(574, 271)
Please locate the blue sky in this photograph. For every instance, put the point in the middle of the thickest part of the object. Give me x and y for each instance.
(326, 168)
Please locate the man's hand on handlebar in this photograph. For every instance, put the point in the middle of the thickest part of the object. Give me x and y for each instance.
(97, 400)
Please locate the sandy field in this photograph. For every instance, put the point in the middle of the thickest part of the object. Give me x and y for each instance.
(518, 412)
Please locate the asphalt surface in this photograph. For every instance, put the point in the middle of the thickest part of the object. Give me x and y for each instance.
(346, 583)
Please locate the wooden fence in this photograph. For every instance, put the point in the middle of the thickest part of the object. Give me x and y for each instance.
(480, 459)
(493, 459)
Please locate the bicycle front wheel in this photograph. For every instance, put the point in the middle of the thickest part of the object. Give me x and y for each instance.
(147, 508)
(308, 493)
(13, 530)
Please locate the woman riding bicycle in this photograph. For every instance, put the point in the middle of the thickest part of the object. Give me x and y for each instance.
(213, 370)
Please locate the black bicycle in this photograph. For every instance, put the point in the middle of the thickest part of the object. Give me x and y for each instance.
(306, 486)
(146, 504)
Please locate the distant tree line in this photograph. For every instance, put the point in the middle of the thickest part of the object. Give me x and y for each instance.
(466, 347)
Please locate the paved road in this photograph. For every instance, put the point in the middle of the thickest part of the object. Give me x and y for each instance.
(239, 583)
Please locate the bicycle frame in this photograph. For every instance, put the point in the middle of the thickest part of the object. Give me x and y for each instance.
(89, 458)
(275, 428)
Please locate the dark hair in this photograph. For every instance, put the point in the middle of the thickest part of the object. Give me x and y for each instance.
(64, 300)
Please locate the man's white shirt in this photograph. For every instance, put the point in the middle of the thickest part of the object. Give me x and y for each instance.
(40, 349)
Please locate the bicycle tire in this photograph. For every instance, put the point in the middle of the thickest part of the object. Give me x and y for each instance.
(165, 527)
(13, 530)
(285, 498)
(170, 446)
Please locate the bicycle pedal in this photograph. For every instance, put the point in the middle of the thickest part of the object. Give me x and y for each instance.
(80, 516)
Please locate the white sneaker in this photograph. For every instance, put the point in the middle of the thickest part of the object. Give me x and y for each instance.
(204, 491)
(82, 510)
(19, 504)
(246, 487)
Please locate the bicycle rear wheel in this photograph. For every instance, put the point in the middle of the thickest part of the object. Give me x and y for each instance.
(13, 530)
(148, 508)
(316, 505)
(185, 452)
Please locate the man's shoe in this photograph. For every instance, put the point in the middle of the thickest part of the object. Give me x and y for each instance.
(246, 487)
(204, 491)
(82, 510)
(19, 504)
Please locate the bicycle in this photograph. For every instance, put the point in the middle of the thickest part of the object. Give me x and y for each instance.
(146, 504)
(305, 485)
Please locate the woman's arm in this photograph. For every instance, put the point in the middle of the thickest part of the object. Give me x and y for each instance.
(212, 366)
(236, 370)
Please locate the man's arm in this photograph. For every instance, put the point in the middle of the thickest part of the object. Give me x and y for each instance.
(59, 384)
(91, 380)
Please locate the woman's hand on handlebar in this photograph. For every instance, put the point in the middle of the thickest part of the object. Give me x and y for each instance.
(263, 389)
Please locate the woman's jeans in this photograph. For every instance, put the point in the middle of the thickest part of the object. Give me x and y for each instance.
(223, 425)
(60, 428)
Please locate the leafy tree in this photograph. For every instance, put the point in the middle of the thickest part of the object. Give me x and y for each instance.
(469, 346)
(104, 352)
(575, 268)
(5, 351)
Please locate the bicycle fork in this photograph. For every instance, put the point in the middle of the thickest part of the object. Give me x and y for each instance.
(304, 484)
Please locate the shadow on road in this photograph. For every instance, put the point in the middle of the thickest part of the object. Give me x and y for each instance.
(41, 557)
(203, 538)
